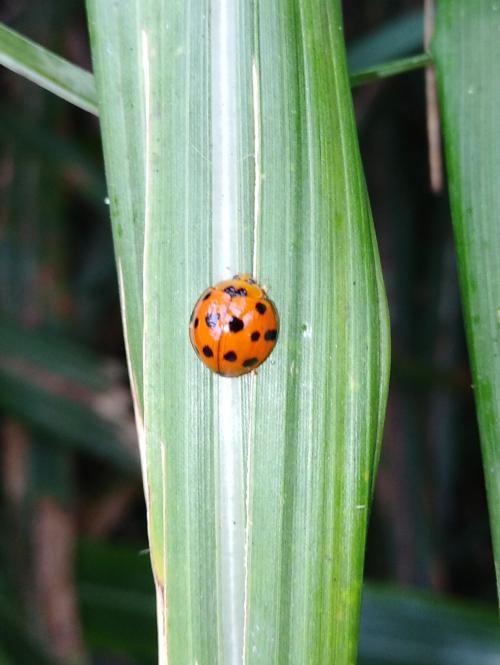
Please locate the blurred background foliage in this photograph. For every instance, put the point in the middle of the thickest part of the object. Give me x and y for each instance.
(75, 582)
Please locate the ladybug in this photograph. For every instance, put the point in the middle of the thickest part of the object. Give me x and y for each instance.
(234, 326)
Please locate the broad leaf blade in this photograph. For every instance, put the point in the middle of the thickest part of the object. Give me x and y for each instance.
(240, 134)
(467, 52)
(259, 488)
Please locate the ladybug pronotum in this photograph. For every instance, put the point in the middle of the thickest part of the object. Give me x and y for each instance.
(234, 326)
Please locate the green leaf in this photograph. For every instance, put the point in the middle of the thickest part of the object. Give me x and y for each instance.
(385, 70)
(258, 489)
(63, 390)
(48, 70)
(467, 50)
(252, 166)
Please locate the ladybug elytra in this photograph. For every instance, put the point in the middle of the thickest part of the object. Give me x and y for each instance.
(234, 326)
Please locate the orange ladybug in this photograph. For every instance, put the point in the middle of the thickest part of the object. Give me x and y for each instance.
(234, 326)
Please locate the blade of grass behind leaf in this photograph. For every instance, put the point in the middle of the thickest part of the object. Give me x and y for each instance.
(466, 49)
(46, 69)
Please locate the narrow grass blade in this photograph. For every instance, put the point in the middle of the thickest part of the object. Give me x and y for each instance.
(467, 51)
(47, 70)
(387, 69)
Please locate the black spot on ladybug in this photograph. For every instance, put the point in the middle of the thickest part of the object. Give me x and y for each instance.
(236, 324)
(207, 295)
(211, 319)
(207, 351)
(250, 362)
(260, 307)
(255, 336)
(270, 335)
(230, 356)
(232, 292)
(196, 321)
